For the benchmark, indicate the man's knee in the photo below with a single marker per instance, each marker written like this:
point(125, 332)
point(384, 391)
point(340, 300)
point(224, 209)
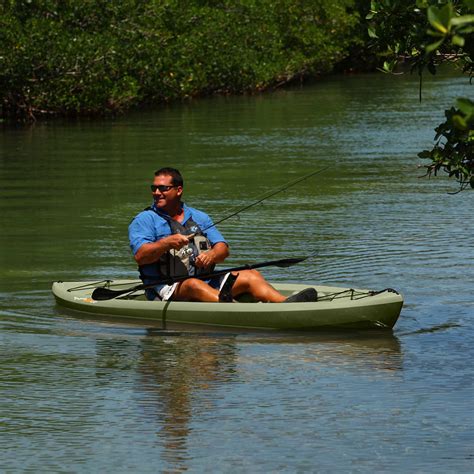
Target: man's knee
point(254, 275)
point(190, 285)
point(249, 278)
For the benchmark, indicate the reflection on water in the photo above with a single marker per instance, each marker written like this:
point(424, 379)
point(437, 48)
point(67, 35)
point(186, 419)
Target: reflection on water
point(181, 379)
point(175, 376)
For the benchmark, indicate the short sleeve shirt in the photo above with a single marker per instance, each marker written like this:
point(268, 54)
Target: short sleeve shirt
point(148, 226)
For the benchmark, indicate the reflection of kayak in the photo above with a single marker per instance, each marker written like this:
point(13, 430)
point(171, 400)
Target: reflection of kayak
point(341, 307)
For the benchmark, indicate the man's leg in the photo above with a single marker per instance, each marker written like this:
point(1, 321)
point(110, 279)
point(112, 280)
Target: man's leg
point(194, 289)
point(252, 282)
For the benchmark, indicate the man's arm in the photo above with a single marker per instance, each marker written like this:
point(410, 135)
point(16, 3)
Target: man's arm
point(151, 252)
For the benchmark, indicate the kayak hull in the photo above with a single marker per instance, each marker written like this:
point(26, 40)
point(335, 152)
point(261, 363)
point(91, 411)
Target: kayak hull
point(336, 307)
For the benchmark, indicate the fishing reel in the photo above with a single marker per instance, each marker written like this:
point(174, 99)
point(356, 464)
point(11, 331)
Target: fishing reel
point(186, 251)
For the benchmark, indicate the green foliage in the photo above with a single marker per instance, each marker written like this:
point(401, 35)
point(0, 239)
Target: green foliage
point(97, 56)
point(454, 150)
point(427, 33)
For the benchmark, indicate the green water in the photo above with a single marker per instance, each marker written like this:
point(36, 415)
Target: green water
point(81, 394)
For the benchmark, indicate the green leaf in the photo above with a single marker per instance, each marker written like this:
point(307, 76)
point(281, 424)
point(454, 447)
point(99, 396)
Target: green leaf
point(466, 30)
point(388, 66)
point(434, 46)
point(447, 14)
point(457, 40)
point(466, 106)
point(459, 122)
point(440, 18)
point(422, 3)
point(371, 32)
point(462, 20)
point(437, 34)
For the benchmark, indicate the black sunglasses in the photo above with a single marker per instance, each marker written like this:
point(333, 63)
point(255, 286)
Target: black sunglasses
point(161, 187)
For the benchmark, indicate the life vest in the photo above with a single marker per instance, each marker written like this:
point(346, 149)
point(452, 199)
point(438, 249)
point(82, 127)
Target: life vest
point(181, 262)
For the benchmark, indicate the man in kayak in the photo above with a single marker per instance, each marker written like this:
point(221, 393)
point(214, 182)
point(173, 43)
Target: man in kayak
point(171, 239)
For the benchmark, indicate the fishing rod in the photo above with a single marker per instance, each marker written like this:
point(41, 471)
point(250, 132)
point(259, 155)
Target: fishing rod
point(267, 195)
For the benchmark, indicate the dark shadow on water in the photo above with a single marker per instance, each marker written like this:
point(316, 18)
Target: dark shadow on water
point(437, 328)
point(370, 338)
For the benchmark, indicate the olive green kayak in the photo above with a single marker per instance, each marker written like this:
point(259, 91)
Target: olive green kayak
point(336, 307)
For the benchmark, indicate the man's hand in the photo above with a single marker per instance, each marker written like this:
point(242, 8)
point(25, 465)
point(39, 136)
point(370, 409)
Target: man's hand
point(217, 254)
point(176, 241)
point(205, 259)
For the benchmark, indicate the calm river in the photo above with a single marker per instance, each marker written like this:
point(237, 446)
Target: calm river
point(81, 394)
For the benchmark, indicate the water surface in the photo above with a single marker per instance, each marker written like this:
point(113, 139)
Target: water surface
point(84, 394)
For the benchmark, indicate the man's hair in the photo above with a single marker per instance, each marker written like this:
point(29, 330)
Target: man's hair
point(176, 177)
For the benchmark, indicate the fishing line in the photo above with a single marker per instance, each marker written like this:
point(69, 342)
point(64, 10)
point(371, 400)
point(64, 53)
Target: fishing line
point(267, 195)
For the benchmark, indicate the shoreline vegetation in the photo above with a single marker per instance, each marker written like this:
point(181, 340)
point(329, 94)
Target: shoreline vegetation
point(97, 58)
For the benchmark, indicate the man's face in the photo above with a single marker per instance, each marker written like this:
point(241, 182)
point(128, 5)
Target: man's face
point(166, 198)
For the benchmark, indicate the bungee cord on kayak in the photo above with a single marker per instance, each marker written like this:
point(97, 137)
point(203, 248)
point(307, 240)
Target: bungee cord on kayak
point(350, 293)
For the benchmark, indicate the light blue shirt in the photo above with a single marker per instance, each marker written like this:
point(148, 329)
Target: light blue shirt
point(148, 226)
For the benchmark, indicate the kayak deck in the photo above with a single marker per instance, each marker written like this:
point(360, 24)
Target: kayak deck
point(336, 307)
